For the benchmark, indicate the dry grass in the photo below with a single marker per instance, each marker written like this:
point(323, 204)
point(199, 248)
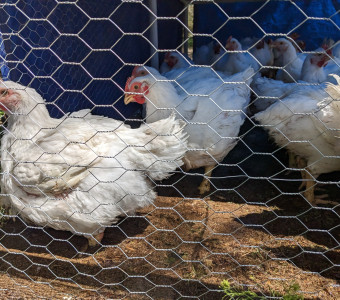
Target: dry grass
point(178, 247)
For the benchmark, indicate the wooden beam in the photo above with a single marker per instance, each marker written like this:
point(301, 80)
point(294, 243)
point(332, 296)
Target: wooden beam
point(154, 34)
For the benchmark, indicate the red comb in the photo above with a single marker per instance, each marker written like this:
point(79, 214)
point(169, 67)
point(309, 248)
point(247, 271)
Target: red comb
point(167, 55)
point(324, 46)
point(128, 81)
point(294, 36)
point(329, 52)
point(229, 39)
point(134, 71)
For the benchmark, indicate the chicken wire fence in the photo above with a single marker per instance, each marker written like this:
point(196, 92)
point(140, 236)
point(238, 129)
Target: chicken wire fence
point(217, 200)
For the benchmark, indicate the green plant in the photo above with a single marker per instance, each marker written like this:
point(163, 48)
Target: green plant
point(292, 292)
point(238, 293)
point(2, 118)
point(3, 218)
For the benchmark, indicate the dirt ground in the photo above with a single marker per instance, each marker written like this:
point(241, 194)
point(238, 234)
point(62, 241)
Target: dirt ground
point(254, 229)
point(184, 246)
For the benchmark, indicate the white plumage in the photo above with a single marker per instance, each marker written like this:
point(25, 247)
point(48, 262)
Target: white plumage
point(175, 60)
point(214, 111)
point(212, 55)
point(306, 122)
point(238, 60)
point(288, 59)
point(313, 71)
point(81, 172)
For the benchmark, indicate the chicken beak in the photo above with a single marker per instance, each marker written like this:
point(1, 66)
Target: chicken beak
point(128, 98)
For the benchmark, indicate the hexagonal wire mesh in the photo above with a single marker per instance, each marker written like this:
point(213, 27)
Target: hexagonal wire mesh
point(255, 139)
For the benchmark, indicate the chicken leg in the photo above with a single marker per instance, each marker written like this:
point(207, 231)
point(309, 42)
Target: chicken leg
point(301, 164)
point(292, 160)
point(309, 192)
point(96, 239)
point(92, 241)
point(205, 184)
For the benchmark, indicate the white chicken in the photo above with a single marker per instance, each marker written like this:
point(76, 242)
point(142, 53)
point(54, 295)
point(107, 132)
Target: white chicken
point(175, 60)
point(298, 44)
point(81, 172)
point(205, 54)
point(183, 70)
point(248, 42)
point(214, 113)
point(212, 55)
point(261, 49)
point(333, 67)
point(238, 60)
point(263, 52)
point(306, 122)
point(313, 68)
point(186, 80)
point(336, 49)
point(288, 59)
point(313, 71)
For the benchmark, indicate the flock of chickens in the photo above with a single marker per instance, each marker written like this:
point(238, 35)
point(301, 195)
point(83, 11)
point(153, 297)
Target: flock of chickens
point(82, 172)
point(300, 113)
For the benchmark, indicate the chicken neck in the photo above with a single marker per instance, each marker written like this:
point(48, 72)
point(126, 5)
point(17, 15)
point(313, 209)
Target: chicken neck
point(162, 101)
point(26, 126)
point(312, 73)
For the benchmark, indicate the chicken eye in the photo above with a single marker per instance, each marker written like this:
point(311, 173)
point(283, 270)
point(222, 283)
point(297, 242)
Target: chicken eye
point(143, 73)
point(136, 87)
point(4, 93)
point(281, 43)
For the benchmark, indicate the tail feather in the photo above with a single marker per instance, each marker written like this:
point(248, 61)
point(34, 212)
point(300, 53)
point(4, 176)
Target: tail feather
point(166, 144)
point(333, 90)
point(245, 76)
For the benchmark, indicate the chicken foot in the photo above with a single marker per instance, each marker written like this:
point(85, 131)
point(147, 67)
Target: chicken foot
point(205, 184)
point(92, 241)
point(96, 239)
point(309, 192)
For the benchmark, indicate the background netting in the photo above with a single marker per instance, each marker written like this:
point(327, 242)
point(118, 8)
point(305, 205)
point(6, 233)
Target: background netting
point(254, 229)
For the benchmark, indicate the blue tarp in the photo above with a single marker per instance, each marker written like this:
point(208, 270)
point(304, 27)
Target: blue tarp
point(3, 66)
point(76, 62)
point(273, 17)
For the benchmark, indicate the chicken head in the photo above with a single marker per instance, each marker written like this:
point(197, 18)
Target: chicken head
point(135, 91)
point(15, 98)
point(320, 59)
point(281, 44)
point(170, 59)
point(233, 44)
point(139, 71)
point(8, 100)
